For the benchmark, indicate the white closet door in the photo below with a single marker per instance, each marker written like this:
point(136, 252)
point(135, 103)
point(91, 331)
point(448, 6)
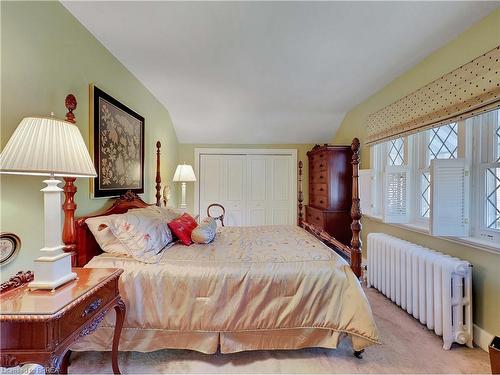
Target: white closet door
point(255, 189)
point(269, 184)
point(222, 180)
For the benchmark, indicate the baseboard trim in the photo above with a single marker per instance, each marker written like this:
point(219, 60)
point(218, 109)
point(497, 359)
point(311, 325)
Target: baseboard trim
point(482, 338)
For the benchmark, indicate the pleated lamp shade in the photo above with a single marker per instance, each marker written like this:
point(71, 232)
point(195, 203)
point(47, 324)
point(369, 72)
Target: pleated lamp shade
point(46, 146)
point(184, 173)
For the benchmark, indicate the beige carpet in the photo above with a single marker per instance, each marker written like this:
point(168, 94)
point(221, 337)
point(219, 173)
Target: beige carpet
point(408, 347)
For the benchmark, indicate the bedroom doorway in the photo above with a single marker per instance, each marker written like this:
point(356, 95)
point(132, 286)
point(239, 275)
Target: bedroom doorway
point(256, 186)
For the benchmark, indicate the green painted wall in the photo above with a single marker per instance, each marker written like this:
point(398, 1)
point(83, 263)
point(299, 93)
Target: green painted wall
point(45, 54)
point(186, 155)
point(480, 38)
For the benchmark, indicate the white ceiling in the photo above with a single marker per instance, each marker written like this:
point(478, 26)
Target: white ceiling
point(270, 72)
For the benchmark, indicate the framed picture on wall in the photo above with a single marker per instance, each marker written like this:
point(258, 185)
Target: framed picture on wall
point(117, 136)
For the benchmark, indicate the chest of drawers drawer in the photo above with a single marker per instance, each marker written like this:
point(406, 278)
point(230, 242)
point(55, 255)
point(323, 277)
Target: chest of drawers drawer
point(319, 201)
point(319, 166)
point(318, 189)
point(315, 217)
point(318, 156)
point(319, 177)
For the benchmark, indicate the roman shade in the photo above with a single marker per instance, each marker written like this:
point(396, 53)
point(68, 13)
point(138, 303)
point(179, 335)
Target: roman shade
point(467, 91)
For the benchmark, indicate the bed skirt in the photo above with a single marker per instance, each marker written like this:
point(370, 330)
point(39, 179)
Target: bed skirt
point(148, 340)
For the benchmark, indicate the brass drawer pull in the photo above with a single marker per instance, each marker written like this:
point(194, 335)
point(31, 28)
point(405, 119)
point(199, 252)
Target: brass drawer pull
point(92, 307)
point(317, 217)
point(321, 189)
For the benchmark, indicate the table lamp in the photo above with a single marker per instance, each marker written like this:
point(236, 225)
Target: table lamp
point(55, 148)
point(184, 173)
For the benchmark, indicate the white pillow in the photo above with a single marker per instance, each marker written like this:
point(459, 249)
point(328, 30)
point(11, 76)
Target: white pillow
point(99, 226)
point(143, 232)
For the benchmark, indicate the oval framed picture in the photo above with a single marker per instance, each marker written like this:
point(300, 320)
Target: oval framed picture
point(10, 244)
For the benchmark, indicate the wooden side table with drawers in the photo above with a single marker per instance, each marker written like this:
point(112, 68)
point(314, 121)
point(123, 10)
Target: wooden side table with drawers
point(39, 326)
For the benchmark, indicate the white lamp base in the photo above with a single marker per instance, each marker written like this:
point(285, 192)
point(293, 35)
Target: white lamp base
point(183, 195)
point(51, 272)
point(53, 267)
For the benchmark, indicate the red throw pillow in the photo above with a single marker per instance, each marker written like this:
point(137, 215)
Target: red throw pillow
point(182, 228)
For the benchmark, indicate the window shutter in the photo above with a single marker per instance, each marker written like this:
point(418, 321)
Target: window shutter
point(450, 184)
point(396, 194)
point(365, 191)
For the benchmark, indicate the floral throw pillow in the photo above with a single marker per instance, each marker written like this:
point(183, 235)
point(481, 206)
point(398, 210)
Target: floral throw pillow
point(205, 232)
point(182, 228)
point(143, 232)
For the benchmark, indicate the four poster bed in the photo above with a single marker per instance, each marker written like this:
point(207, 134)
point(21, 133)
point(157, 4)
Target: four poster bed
point(252, 288)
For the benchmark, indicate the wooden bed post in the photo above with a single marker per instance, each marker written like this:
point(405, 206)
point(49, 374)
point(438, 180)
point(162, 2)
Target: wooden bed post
point(300, 196)
point(356, 214)
point(69, 206)
point(158, 175)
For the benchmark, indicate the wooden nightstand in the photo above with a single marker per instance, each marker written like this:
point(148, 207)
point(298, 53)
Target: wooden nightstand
point(39, 326)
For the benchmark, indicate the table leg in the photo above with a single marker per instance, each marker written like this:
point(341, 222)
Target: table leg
point(65, 363)
point(120, 317)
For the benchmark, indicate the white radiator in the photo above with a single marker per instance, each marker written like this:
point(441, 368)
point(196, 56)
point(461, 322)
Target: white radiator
point(433, 287)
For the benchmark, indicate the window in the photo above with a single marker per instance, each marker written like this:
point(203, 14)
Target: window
point(487, 160)
point(492, 198)
point(436, 143)
point(469, 154)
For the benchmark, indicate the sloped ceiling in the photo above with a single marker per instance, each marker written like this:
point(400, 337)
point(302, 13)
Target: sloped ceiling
point(270, 72)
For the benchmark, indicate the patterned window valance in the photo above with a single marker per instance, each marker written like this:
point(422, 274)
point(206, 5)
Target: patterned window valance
point(471, 89)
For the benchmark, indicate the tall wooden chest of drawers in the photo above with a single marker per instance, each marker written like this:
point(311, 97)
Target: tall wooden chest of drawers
point(330, 190)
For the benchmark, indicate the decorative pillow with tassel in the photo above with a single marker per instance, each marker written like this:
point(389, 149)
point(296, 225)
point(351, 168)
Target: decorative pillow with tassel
point(205, 232)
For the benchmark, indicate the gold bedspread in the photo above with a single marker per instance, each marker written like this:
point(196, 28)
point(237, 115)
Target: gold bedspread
point(269, 287)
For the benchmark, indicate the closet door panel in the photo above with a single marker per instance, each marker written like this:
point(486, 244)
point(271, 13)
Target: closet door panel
point(280, 190)
point(234, 189)
point(256, 180)
point(257, 196)
point(235, 183)
point(256, 216)
point(280, 216)
point(211, 181)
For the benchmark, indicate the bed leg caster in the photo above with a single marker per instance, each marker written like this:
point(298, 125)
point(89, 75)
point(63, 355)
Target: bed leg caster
point(359, 353)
